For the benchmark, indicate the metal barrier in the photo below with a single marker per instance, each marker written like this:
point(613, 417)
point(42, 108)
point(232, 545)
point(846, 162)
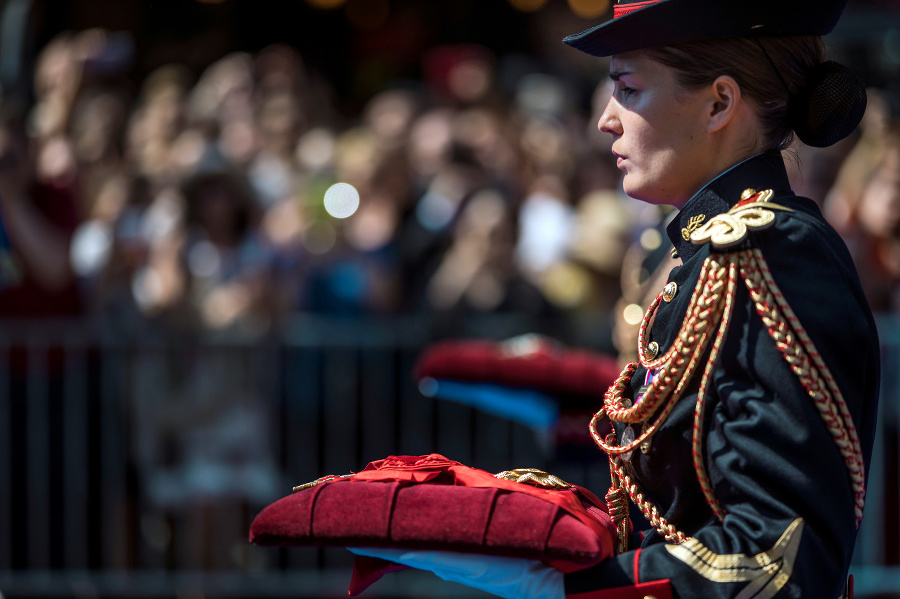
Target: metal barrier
point(132, 465)
point(876, 561)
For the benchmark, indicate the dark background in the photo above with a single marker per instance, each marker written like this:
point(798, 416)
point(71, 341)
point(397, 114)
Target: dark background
point(358, 59)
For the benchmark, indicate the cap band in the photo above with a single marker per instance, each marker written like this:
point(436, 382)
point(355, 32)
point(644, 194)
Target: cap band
point(622, 10)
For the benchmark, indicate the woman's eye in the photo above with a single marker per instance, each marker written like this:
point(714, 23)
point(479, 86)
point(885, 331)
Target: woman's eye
point(625, 91)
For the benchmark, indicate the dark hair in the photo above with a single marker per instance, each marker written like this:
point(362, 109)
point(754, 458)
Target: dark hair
point(784, 77)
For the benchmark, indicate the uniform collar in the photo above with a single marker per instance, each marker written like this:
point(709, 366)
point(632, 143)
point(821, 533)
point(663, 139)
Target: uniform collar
point(763, 171)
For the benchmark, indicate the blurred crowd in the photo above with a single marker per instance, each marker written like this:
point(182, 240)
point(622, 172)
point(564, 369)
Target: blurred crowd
point(232, 197)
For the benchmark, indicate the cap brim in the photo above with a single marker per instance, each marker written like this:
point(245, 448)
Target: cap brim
point(660, 24)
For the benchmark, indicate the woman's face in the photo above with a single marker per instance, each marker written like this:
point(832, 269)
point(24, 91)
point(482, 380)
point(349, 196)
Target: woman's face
point(659, 131)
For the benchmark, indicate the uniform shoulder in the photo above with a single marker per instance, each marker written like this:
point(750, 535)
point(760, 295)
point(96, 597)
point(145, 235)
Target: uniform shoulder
point(801, 229)
point(807, 258)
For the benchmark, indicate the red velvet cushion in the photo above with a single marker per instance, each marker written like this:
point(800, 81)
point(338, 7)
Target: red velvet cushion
point(532, 363)
point(497, 520)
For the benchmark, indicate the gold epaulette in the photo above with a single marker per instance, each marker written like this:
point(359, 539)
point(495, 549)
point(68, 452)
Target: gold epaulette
point(706, 322)
point(752, 213)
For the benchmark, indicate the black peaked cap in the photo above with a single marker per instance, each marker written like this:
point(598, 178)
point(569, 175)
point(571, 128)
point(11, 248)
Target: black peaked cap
point(648, 23)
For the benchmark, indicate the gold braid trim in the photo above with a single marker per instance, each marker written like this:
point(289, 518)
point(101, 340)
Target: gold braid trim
point(785, 329)
point(534, 477)
point(713, 302)
point(700, 407)
point(650, 511)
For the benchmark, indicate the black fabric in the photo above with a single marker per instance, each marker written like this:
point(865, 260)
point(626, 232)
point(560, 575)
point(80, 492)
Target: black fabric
point(769, 456)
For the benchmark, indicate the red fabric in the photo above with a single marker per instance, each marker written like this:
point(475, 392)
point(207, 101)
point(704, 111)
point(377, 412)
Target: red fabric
point(457, 509)
point(29, 299)
point(754, 198)
point(430, 467)
point(550, 369)
point(659, 589)
point(622, 10)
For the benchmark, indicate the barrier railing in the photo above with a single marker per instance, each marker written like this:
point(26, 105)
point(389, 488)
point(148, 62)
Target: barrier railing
point(876, 561)
point(132, 465)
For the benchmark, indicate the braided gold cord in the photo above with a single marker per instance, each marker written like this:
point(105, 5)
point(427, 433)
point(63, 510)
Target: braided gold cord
point(696, 299)
point(700, 408)
point(677, 372)
point(650, 511)
point(813, 353)
point(319, 481)
point(806, 363)
point(713, 301)
point(707, 305)
point(617, 502)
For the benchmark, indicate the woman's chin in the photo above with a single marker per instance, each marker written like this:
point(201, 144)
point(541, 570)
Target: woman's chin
point(648, 193)
point(634, 189)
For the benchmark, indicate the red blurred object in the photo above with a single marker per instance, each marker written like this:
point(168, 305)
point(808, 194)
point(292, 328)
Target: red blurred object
point(440, 62)
point(430, 502)
point(531, 362)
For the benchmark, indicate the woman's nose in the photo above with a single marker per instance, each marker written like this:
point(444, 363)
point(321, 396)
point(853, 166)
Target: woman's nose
point(609, 120)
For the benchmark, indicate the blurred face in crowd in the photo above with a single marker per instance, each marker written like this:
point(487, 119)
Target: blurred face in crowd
point(879, 206)
point(659, 131)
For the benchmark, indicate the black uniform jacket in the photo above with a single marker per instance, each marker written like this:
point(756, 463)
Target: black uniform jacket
point(789, 528)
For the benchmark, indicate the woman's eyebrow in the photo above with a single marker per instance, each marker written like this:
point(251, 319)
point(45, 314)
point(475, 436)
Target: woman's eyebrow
point(616, 75)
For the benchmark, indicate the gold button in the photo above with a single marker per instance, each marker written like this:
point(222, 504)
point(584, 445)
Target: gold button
point(670, 291)
point(749, 192)
point(652, 350)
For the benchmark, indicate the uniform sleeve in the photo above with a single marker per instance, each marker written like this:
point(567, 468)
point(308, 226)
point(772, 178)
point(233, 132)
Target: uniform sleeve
point(789, 527)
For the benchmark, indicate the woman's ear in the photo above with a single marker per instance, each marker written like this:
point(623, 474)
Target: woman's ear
point(724, 102)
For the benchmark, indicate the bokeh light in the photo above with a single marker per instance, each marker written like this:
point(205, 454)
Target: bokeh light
point(428, 387)
point(527, 5)
point(147, 289)
point(470, 79)
point(203, 260)
point(341, 200)
point(435, 211)
point(319, 238)
point(633, 314)
point(315, 150)
point(651, 239)
point(325, 4)
point(91, 247)
point(566, 284)
point(589, 9)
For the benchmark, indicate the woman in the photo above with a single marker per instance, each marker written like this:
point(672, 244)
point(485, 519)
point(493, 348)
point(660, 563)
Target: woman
point(744, 431)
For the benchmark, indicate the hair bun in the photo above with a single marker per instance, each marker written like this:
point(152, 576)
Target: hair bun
point(831, 106)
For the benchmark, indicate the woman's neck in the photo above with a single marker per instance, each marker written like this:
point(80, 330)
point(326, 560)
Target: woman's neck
point(744, 158)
